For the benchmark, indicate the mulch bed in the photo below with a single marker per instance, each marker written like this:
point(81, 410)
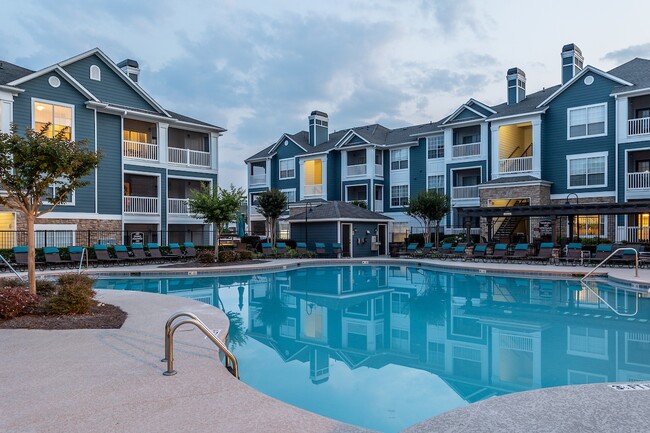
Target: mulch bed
point(101, 316)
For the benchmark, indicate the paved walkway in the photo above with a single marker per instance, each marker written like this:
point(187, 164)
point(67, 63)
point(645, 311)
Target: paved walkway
point(111, 380)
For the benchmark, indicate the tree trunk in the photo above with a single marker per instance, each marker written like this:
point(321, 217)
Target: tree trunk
point(217, 239)
point(31, 254)
point(272, 225)
point(437, 234)
point(427, 232)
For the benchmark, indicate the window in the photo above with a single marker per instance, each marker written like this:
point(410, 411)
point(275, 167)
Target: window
point(255, 199)
point(357, 193)
point(291, 195)
point(52, 193)
point(379, 157)
point(287, 168)
point(59, 117)
point(399, 159)
point(399, 195)
point(590, 226)
point(357, 157)
point(398, 231)
point(588, 171)
point(95, 73)
point(436, 183)
point(436, 147)
point(587, 121)
point(399, 303)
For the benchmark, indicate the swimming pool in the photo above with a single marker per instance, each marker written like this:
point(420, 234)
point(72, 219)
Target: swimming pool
point(384, 347)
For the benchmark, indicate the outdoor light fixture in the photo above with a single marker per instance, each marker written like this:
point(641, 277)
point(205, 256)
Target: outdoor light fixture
point(569, 195)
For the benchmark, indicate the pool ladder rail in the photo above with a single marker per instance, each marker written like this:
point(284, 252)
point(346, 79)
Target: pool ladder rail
point(170, 328)
point(583, 282)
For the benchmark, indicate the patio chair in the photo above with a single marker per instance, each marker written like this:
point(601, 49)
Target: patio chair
point(427, 248)
point(267, 249)
point(544, 255)
point(520, 252)
point(301, 248)
point(457, 252)
point(139, 253)
point(320, 249)
point(573, 254)
point(175, 252)
point(337, 249)
point(53, 259)
point(479, 252)
point(602, 252)
point(444, 250)
point(626, 257)
point(410, 249)
point(156, 255)
point(20, 259)
point(499, 253)
point(190, 250)
point(280, 249)
point(76, 253)
point(122, 254)
point(103, 257)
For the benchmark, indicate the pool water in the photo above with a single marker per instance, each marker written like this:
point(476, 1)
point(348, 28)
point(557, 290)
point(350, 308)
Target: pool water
point(385, 347)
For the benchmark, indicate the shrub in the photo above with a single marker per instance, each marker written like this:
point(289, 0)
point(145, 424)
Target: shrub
point(13, 300)
point(205, 256)
point(246, 255)
point(75, 295)
point(45, 287)
point(228, 256)
point(292, 254)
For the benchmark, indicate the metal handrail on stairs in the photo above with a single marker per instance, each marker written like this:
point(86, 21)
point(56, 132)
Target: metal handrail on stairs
point(12, 269)
point(636, 265)
point(170, 329)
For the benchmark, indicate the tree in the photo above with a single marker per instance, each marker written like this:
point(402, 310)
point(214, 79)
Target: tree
point(360, 203)
point(39, 169)
point(217, 206)
point(428, 207)
point(271, 204)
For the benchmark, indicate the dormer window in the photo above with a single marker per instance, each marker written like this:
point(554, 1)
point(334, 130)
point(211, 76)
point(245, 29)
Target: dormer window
point(95, 73)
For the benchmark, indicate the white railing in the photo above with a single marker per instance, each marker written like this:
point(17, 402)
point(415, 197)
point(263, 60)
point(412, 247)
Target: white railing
point(516, 165)
point(142, 205)
point(465, 150)
point(316, 189)
point(357, 170)
point(379, 170)
point(632, 234)
point(135, 149)
point(178, 206)
point(459, 192)
point(638, 126)
point(379, 205)
point(638, 180)
point(257, 179)
point(194, 158)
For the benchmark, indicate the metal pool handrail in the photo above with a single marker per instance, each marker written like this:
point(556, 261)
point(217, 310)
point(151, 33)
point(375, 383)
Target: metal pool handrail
point(81, 260)
point(638, 295)
point(170, 329)
point(12, 269)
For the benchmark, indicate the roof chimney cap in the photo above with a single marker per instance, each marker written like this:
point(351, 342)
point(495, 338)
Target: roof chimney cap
point(318, 113)
point(513, 71)
point(128, 62)
point(571, 47)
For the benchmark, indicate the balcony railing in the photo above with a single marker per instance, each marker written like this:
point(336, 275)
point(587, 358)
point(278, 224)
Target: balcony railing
point(465, 150)
point(638, 180)
point(632, 234)
point(134, 149)
point(638, 126)
point(316, 189)
point(516, 165)
point(178, 206)
point(357, 170)
point(257, 179)
point(194, 158)
point(464, 192)
point(379, 170)
point(379, 205)
point(140, 205)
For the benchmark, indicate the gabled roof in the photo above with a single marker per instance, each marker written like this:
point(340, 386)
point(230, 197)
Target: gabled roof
point(301, 139)
point(481, 110)
point(339, 210)
point(528, 105)
point(262, 154)
point(59, 70)
point(579, 75)
point(187, 119)
point(349, 136)
point(636, 71)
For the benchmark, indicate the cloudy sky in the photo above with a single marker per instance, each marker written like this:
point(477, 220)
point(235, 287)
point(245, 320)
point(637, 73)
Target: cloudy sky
point(259, 67)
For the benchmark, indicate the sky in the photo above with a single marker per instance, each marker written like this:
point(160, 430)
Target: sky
point(258, 67)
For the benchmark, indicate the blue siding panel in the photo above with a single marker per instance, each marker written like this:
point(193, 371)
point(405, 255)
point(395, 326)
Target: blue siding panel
point(109, 184)
point(418, 168)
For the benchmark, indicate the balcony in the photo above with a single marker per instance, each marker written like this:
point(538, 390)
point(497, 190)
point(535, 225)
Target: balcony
point(137, 150)
point(632, 234)
point(638, 180)
point(464, 192)
point(516, 165)
point(192, 158)
point(257, 179)
point(178, 206)
point(638, 126)
point(379, 170)
point(311, 190)
point(466, 150)
point(141, 205)
point(357, 170)
point(379, 205)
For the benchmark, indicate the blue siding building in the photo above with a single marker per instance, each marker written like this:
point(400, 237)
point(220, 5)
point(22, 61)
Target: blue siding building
point(152, 157)
point(586, 140)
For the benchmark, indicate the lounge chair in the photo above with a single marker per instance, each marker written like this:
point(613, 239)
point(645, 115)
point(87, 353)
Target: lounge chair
point(20, 259)
point(499, 253)
point(267, 249)
point(76, 253)
point(444, 250)
point(320, 249)
point(280, 249)
point(602, 252)
point(457, 252)
point(53, 259)
point(190, 250)
point(626, 257)
point(573, 254)
point(426, 249)
point(122, 254)
point(156, 255)
point(103, 257)
point(139, 253)
point(301, 248)
point(411, 249)
point(544, 255)
point(520, 252)
point(479, 252)
point(337, 249)
point(175, 251)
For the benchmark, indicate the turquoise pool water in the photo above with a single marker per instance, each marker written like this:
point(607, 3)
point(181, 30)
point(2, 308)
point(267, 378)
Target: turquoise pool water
point(384, 347)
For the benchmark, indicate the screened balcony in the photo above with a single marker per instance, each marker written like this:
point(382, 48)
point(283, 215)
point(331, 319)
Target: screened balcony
point(189, 148)
point(257, 173)
point(179, 191)
point(140, 140)
point(467, 142)
point(140, 194)
point(356, 163)
point(465, 184)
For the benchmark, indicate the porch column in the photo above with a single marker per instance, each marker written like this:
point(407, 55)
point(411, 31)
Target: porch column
point(537, 148)
point(214, 150)
point(495, 152)
point(571, 219)
point(490, 225)
point(163, 142)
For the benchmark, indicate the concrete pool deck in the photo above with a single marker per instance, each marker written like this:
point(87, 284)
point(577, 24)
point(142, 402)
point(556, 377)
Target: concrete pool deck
point(111, 380)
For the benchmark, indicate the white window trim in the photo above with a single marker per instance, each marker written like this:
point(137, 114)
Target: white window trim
point(408, 162)
point(357, 184)
point(444, 184)
point(97, 76)
point(585, 156)
point(61, 104)
point(293, 160)
point(391, 194)
point(64, 203)
point(293, 190)
point(568, 121)
point(443, 146)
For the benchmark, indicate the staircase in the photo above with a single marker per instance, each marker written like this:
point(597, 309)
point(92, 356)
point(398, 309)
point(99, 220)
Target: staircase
point(507, 227)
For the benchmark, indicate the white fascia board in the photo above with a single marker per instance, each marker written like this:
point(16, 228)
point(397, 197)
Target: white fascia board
point(347, 137)
point(297, 221)
point(13, 90)
point(480, 104)
point(285, 136)
point(461, 108)
point(425, 134)
point(513, 116)
point(631, 92)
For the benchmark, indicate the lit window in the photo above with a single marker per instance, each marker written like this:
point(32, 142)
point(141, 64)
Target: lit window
point(287, 168)
point(399, 159)
point(590, 226)
point(58, 116)
point(95, 73)
point(436, 183)
point(399, 195)
point(436, 147)
point(588, 171)
point(590, 121)
point(398, 231)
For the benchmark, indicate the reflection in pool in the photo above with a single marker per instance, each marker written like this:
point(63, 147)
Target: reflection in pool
point(384, 347)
